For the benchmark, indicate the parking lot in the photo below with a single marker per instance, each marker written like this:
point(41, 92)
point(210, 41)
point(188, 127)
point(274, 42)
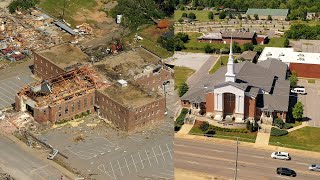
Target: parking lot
point(12, 80)
point(311, 101)
point(95, 148)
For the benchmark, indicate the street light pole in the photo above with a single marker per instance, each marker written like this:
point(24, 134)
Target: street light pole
point(236, 169)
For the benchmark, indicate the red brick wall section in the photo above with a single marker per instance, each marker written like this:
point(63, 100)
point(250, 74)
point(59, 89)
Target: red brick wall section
point(240, 41)
point(52, 112)
point(153, 81)
point(306, 70)
point(260, 40)
point(44, 68)
point(128, 119)
point(210, 102)
point(252, 107)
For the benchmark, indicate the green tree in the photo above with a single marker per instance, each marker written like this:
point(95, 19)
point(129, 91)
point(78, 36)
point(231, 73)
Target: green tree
point(239, 16)
point(297, 111)
point(230, 16)
point(286, 42)
point(256, 17)
point(178, 45)
point(258, 49)
point(180, 20)
point(184, 15)
point(22, 4)
point(192, 16)
point(183, 36)
point(210, 15)
point(236, 48)
point(248, 17)
point(248, 47)
point(204, 126)
point(208, 49)
point(293, 79)
point(222, 15)
point(195, 3)
point(183, 88)
point(269, 18)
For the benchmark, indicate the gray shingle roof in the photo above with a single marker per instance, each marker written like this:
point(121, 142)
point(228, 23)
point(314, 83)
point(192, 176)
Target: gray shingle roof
point(238, 35)
point(266, 12)
point(248, 55)
point(251, 78)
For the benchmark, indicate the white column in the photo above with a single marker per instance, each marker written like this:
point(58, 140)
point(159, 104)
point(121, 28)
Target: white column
point(218, 101)
point(239, 104)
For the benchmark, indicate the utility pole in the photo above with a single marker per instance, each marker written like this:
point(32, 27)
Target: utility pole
point(236, 169)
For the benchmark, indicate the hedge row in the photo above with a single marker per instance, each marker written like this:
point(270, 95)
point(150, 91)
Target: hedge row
point(180, 119)
point(278, 132)
point(216, 128)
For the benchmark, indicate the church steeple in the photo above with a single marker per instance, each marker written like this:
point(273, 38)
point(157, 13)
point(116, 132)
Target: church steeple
point(230, 75)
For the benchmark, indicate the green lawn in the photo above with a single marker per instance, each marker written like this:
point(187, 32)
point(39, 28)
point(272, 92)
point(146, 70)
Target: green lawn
point(194, 46)
point(181, 74)
point(201, 16)
point(223, 60)
point(306, 138)
point(150, 36)
point(247, 137)
point(311, 81)
point(311, 23)
point(55, 8)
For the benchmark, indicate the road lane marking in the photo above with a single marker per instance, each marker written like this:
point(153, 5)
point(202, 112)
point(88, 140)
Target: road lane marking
point(211, 157)
point(258, 157)
point(302, 163)
point(192, 162)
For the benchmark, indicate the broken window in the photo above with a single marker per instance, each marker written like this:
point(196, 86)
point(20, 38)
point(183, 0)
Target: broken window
point(66, 110)
point(79, 104)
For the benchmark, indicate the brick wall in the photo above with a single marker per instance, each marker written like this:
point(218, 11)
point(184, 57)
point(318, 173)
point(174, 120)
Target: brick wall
point(154, 81)
point(210, 102)
point(67, 109)
point(240, 41)
point(129, 119)
point(44, 69)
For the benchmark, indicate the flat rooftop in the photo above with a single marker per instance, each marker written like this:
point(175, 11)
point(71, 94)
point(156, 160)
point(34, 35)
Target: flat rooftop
point(126, 65)
point(288, 55)
point(64, 55)
point(130, 96)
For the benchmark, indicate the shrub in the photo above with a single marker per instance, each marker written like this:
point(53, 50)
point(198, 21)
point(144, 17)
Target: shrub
point(177, 127)
point(180, 118)
point(204, 126)
point(287, 126)
point(248, 125)
point(211, 132)
point(278, 132)
point(278, 122)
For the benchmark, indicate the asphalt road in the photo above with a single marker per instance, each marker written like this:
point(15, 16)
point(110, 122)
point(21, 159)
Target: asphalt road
point(22, 165)
point(219, 159)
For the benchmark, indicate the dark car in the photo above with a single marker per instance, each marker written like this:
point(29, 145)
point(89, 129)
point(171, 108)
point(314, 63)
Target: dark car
point(286, 172)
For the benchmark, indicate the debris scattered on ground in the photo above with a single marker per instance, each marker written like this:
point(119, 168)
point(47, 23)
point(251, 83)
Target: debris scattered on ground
point(79, 138)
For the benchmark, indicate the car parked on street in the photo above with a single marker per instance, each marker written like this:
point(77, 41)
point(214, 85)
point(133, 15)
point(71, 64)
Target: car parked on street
point(314, 167)
point(281, 155)
point(286, 171)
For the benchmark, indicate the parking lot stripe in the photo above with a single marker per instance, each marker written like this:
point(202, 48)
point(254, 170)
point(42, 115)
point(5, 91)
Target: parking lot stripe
point(166, 174)
point(5, 101)
point(169, 151)
point(162, 153)
point(9, 92)
point(15, 85)
point(120, 168)
point(127, 164)
point(134, 163)
point(148, 158)
point(141, 160)
point(155, 155)
point(114, 175)
point(15, 90)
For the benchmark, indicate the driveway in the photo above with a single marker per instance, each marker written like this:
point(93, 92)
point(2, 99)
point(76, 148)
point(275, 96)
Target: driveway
point(311, 101)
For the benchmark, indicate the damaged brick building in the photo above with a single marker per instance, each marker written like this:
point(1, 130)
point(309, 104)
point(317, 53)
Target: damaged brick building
point(71, 84)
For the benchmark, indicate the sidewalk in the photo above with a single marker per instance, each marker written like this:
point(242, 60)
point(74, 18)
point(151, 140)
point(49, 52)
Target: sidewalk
point(39, 155)
point(304, 124)
point(185, 129)
point(246, 144)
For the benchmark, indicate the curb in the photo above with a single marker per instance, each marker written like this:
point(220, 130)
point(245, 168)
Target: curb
point(31, 152)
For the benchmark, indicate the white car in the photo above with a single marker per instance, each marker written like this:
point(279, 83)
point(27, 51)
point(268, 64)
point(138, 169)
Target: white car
point(314, 167)
point(281, 155)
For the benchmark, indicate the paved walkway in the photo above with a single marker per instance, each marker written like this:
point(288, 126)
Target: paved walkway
point(263, 135)
point(304, 124)
point(185, 129)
